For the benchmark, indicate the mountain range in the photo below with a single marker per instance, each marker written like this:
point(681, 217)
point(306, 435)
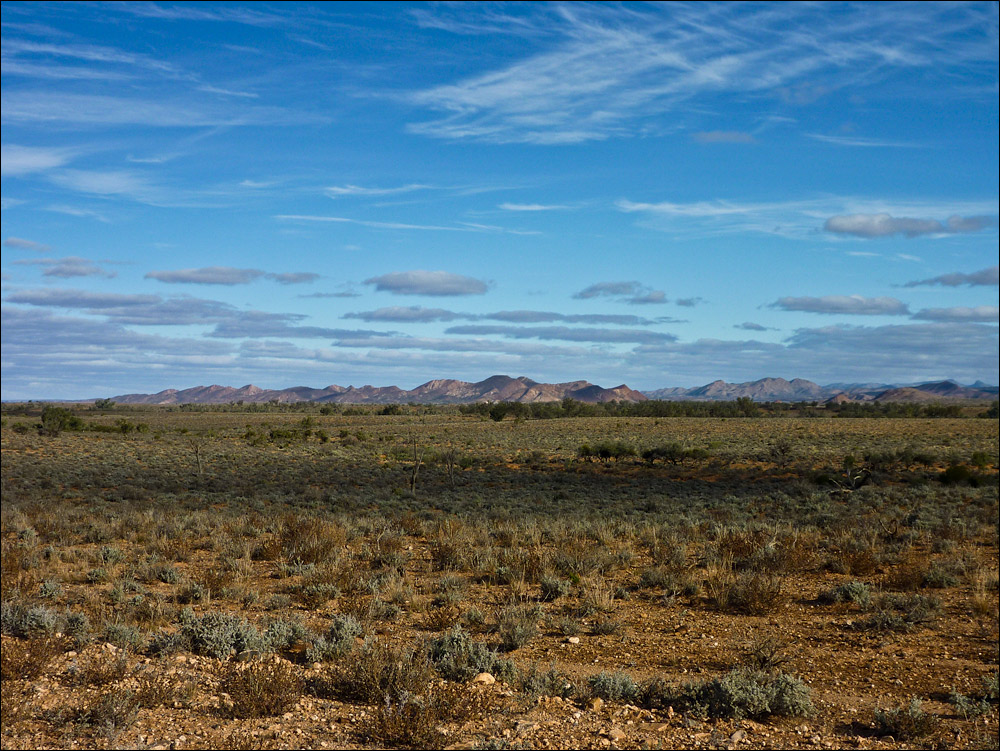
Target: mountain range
point(501, 388)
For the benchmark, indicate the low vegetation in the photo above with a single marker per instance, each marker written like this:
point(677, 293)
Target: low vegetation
point(426, 577)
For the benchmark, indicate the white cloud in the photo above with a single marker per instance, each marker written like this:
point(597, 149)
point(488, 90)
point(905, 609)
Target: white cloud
point(22, 244)
point(844, 304)
point(432, 283)
point(980, 313)
point(532, 207)
point(885, 225)
point(989, 277)
point(614, 68)
point(337, 191)
point(25, 160)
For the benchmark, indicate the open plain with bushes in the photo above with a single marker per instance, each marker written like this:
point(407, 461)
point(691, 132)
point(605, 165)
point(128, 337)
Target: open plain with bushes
point(287, 576)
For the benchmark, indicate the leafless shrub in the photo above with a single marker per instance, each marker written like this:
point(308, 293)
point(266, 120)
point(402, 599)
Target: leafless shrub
point(28, 659)
point(262, 689)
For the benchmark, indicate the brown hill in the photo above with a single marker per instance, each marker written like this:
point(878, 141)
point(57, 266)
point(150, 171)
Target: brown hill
point(498, 388)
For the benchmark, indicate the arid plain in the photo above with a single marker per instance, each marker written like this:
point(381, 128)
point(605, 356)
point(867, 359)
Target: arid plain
point(282, 576)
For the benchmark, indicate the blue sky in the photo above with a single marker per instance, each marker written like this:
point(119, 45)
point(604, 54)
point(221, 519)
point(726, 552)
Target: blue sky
point(659, 195)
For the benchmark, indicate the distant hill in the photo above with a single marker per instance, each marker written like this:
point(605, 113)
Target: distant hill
point(502, 388)
point(801, 390)
point(498, 388)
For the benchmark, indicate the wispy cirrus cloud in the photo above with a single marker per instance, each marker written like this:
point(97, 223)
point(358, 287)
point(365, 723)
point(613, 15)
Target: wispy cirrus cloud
point(20, 107)
point(533, 207)
point(989, 277)
point(864, 143)
point(843, 304)
point(723, 136)
point(611, 70)
point(431, 283)
point(18, 160)
point(337, 191)
point(374, 224)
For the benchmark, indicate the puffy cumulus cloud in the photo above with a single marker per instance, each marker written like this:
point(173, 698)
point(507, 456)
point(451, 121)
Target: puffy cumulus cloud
point(843, 304)
point(407, 314)
point(22, 244)
point(431, 283)
point(985, 277)
point(565, 333)
point(71, 266)
point(980, 313)
point(633, 293)
point(227, 275)
point(886, 225)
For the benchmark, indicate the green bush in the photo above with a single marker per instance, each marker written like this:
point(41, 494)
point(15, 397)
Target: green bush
point(458, 658)
point(616, 686)
point(905, 722)
point(854, 591)
point(747, 693)
point(219, 635)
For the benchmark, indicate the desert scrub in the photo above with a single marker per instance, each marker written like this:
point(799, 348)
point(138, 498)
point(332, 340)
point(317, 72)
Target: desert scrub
point(905, 722)
point(853, 591)
point(553, 587)
point(749, 592)
point(900, 613)
point(261, 689)
point(615, 686)
point(458, 658)
point(21, 660)
point(26, 622)
point(517, 625)
point(745, 692)
point(535, 682)
point(414, 720)
point(218, 635)
point(376, 673)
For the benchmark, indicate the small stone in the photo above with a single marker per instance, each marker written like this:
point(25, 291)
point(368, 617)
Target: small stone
point(594, 705)
point(485, 678)
point(738, 736)
point(655, 727)
point(616, 734)
point(526, 726)
point(573, 640)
